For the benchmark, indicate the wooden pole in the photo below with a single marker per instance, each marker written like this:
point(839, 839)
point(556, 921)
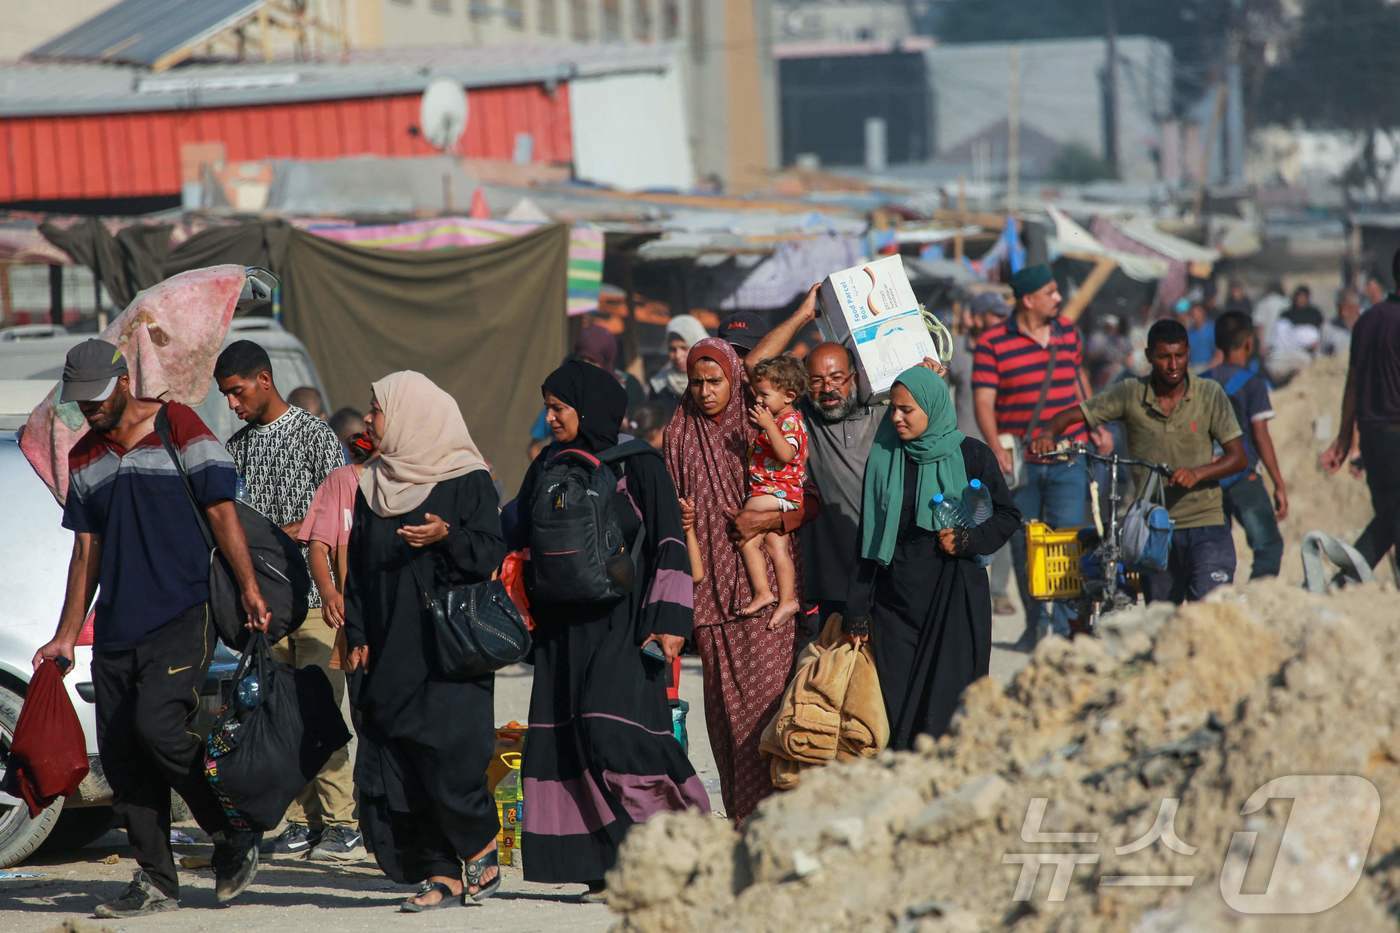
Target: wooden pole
point(1013, 132)
point(962, 207)
point(1207, 144)
point(1093, 283)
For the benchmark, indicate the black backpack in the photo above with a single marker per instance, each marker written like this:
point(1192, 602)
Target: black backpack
point(283, 578)
point(577, 550)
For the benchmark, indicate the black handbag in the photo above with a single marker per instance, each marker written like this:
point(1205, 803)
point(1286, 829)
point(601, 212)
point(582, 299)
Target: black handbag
point(476, 627)
point(259, 756)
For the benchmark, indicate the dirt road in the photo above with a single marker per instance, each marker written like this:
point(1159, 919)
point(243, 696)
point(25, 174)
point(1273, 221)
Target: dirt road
point(301, 895)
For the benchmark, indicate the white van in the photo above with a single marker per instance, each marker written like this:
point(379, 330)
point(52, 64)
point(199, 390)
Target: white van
point(34, 553)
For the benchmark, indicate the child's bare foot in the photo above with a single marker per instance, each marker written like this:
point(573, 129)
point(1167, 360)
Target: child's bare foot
point(760, 602)
point(783, 614)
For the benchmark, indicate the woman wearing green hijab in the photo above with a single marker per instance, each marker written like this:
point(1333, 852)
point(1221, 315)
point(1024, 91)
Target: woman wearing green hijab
point(919, 593)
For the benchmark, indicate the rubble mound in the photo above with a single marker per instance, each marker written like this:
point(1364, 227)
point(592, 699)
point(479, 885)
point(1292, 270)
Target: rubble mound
point(1140, 748)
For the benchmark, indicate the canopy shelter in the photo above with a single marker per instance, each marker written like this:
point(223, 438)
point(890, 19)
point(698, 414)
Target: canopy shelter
point(1095, 265)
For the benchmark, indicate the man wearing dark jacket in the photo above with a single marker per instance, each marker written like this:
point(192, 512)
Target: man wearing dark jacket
point(1371, 408)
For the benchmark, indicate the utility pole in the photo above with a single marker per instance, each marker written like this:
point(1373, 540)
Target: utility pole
point(1110, 85)
point(1013, 131)
point(1232, 158)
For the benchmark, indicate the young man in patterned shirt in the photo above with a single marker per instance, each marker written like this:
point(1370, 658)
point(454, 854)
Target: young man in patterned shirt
point(282, 455)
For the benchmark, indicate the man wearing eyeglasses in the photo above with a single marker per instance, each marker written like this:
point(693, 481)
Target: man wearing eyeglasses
point(841, 428)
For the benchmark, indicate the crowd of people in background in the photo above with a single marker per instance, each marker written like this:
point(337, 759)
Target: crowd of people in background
point(765, 493)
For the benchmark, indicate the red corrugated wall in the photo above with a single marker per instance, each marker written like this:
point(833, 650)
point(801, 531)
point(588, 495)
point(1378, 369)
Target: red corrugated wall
point(138, 154)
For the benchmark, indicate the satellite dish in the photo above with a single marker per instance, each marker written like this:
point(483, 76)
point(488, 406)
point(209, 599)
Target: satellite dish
point(442, 113)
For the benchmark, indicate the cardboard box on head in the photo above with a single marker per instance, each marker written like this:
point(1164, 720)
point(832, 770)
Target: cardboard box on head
point(871, 308)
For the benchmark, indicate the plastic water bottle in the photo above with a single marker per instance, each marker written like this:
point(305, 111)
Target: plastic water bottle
point(249, 692)
point(977, 502)
point(947, 513)
point(240, 489)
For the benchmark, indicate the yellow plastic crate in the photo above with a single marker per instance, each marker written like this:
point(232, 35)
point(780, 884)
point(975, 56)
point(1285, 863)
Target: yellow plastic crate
point(1052, 561)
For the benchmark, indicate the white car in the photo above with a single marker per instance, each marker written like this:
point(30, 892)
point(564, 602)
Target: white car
point(34, 553)
point(36, 351)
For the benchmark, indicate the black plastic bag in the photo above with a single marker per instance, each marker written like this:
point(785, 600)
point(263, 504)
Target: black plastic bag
point(271, 741)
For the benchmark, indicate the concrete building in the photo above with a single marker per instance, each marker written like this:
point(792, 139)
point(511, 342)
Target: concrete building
point(494, 22)
point(29, 23)
point(832, 91)
point(841, 20)
point(1059, 95)
point(375, 24)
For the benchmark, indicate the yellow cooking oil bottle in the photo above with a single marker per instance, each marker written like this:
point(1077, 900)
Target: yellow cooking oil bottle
point(510, 809)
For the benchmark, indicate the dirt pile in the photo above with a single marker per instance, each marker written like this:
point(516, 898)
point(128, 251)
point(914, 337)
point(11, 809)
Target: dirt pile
point(1307, 411)
point(1175, 718)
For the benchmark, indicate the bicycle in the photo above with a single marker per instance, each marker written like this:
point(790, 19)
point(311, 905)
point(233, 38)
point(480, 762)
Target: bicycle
point(1107, 586)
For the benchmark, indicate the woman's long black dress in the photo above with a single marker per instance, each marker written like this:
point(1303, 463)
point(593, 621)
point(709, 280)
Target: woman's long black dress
point(599, 754)
point(931, 614)
point(425, 743)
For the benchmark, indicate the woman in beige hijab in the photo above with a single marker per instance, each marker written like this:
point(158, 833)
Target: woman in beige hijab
point(426, 517)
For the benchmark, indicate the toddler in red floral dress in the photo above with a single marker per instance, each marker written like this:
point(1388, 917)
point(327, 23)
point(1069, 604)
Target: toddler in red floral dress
point(777, 469)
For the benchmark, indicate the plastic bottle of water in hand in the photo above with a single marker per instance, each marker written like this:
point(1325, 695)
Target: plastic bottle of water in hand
point(947, 513)
point(977, 502)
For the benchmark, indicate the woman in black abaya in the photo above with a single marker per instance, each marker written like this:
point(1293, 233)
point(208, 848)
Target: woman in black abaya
point(599, 754)
point(426, 516)
point(919, 594)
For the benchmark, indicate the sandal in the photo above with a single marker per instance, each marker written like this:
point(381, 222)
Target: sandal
point(411, 906)
point(597, 893)
point(477, 868)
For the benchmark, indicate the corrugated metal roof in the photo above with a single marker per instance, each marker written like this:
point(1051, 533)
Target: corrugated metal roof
point(40, 88)
point(103, 155)
point(141, 32)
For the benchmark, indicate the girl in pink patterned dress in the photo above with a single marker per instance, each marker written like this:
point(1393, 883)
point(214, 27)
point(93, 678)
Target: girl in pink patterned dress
point(777, 469)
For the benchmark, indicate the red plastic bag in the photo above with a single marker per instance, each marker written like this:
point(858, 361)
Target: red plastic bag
point(513, 579)
point(48, 756)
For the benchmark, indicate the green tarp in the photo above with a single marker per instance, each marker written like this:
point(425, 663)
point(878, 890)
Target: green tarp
point(484, 322)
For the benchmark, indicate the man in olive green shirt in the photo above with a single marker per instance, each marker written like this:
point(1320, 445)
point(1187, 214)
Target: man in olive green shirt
point(1174, 418)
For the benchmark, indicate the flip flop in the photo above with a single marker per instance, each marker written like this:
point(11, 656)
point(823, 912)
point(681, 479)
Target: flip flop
point(476, 868)
point(411, 907)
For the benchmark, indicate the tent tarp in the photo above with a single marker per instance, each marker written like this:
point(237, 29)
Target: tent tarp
point(585, 246)
point(483, 322)
point(1070, 237)
point(1167, 244)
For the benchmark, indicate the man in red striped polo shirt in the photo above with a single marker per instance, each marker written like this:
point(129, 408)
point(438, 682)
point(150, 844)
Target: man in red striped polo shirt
point(1024, 373)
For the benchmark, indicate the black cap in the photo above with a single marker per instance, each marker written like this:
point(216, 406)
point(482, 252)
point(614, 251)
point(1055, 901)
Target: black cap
point(91, 370)
point(743, 329)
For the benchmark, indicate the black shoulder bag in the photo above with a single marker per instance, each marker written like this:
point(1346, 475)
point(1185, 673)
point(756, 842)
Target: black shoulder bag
point(283, 578)
point(477, 628)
